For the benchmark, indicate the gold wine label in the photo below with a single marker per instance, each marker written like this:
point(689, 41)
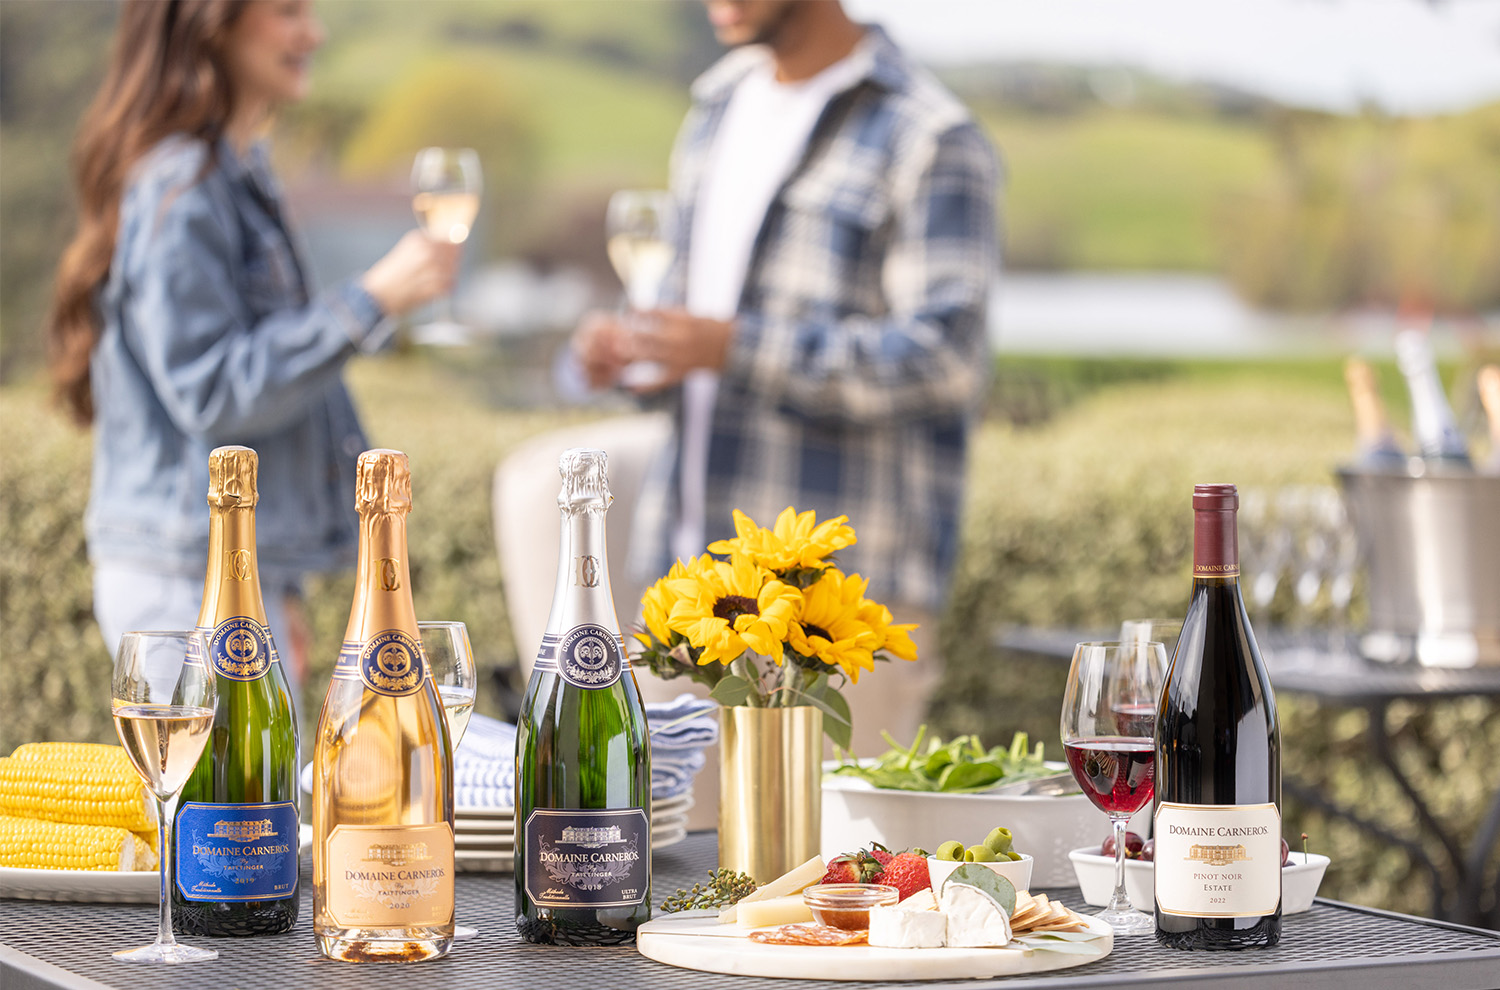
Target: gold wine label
point(231, 477)
point(392, 876)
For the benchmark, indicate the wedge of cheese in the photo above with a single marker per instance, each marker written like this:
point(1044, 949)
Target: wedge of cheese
point(791, 882)
point(901, 927)
point(975, 919)
point(788, 910)
point(922, 900)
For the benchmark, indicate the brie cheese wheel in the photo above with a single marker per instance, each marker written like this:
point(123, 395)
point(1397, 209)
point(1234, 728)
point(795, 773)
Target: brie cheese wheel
point(901, 928)
point(974, 918)
point(922, 900)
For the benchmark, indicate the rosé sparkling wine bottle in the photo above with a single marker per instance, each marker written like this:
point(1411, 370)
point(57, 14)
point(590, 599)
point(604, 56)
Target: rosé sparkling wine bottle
point(1218, 759)
point(382, 763)
point(583, 758)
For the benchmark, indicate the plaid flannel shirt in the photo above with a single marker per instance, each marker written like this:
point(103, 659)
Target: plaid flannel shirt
point(860, 355)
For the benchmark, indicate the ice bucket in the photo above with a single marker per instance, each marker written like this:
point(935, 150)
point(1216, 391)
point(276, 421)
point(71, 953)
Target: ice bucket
point(1431, 548)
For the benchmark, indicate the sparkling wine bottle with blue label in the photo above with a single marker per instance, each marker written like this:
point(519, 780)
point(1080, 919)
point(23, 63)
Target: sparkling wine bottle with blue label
point(583, 761)
point(235, 863)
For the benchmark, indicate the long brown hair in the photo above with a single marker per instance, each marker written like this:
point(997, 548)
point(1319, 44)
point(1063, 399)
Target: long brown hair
point(167, 75)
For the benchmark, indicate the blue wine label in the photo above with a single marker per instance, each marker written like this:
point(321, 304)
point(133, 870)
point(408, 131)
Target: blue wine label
point(346, 667)
point(547, 654)
point(236, 852)
point(587, 858)
point(393, 664)
point(240, 648)
point(589, 656)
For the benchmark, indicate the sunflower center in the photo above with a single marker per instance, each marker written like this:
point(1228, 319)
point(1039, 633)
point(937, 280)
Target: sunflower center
point(808, 629)
point(731, 607)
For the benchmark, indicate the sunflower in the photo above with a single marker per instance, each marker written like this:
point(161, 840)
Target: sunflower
point(726, 608)
point(657, 602)
point(894, 639)
point(829, 627)
point(798, 541)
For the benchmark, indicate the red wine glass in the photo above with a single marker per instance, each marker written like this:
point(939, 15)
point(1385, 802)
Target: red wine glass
point(1108, 730)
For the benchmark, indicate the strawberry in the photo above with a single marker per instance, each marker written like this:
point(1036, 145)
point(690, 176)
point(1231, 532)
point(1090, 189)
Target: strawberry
point(855, 867)
point(907, 872)
point(881, 854)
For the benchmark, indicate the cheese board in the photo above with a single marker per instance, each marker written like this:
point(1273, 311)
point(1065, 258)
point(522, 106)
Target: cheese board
point(695, 940)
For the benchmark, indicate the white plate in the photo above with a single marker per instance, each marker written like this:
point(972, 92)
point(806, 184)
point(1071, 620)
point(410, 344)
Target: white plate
point(693, 940)
point(96, 886)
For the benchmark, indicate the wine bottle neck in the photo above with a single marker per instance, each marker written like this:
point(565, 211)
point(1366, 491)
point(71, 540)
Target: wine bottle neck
point(583, 579)
point(382, 590)
point(1216, 551)
point(231, 584)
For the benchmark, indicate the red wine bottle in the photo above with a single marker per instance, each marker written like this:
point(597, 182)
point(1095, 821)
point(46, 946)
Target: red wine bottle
point(1218, 759)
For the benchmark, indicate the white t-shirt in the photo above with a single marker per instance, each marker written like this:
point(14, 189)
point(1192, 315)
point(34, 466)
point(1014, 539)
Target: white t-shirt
point(760, 140)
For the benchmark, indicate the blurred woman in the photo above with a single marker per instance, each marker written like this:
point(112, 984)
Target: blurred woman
point(182, 316)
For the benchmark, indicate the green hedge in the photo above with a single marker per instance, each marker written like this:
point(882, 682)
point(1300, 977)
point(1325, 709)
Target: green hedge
point(1079, 520)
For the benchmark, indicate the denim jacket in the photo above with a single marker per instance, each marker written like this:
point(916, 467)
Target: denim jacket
point(210, 337)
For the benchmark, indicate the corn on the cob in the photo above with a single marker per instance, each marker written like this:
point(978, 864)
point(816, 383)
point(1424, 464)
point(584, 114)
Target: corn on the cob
point(72, 752)
point(26, 843)
point(82, 794)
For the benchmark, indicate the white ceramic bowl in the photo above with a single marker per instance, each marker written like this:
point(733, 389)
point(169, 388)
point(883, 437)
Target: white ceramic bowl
point(1017, 871)
point(1045, 827)
point(1300, 879)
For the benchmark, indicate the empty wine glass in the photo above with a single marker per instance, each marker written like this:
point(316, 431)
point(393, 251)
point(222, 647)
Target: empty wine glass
point(450, 659)
point(162, 699)
point(1163, 631)
point(640, 227)
point(1108, 729)
point(446, 183)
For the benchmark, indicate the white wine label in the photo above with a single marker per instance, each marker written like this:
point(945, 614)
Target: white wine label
point(236, 852)
point(240, 648)
point(587, 858)
point(384, 876)
point(1218, 860)
point(393, 664)
point(589, 656)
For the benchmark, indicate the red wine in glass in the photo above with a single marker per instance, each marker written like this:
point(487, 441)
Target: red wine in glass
point(1116, 772)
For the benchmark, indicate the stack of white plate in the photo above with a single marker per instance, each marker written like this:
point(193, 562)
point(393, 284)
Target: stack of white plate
point(485, 838)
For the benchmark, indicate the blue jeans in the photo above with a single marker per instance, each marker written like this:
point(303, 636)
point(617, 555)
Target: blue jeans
point(130, 596)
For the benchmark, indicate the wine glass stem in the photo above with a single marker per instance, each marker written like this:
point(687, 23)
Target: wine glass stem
point(166, 811)
point(1119, 900)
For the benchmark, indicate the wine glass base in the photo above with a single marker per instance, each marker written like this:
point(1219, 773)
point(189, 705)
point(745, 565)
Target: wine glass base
point(1128, 922)
point(463, 932)
point(161, 952)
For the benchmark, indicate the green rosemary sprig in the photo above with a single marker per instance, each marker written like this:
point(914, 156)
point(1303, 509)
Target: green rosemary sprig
point(724, 887)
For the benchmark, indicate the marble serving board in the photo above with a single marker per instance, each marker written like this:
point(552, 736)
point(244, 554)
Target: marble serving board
point(695, 940)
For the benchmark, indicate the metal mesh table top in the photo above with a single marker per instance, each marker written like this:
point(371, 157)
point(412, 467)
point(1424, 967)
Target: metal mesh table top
point(1333, 945)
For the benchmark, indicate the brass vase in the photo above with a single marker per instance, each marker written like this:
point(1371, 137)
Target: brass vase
point(770, 789)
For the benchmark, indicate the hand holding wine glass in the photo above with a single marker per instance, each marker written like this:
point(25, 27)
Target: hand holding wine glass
point(1108, 732)
point(446, 183)
point(163, 706)
point(641, 230)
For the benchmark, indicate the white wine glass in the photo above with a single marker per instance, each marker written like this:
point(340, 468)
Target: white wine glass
point(640, 227)
point(450, 660)
point(1108, 734)
point(162, 699)
point(446, 184)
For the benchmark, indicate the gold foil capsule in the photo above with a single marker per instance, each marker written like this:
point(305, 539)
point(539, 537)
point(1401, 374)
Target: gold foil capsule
point(231, 477)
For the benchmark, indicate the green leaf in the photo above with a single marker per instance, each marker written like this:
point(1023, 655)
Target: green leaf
point(731, 690)
point(1043, 944)
point(968, 776)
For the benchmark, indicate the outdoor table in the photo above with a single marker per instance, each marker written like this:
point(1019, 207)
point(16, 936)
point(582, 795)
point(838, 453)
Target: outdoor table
point(1307, 664)
point(1332, 945)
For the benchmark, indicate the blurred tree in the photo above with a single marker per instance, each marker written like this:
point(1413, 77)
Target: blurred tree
point(454, 102)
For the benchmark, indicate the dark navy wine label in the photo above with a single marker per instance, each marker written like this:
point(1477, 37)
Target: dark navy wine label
point(578, 858)
point(392, 663)
point(590, 656)
point(241, 649)
point(236, 852)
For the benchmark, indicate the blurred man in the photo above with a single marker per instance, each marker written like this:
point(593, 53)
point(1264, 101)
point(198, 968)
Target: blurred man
point(836, 252)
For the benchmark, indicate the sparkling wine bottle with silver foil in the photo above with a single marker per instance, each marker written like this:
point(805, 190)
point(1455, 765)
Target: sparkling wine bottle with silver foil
point(1217, 825)
point(235, 848)
point(1437, 435)
point(382, 804)
point(583, 763)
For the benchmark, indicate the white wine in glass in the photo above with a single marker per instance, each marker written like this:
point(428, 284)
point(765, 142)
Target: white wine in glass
point(450, 662)
point(446, 184)
point(163, 707)
point(641, 230)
